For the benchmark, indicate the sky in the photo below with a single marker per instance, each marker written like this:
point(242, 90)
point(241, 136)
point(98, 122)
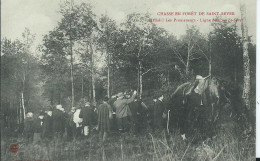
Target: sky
point(41, 16)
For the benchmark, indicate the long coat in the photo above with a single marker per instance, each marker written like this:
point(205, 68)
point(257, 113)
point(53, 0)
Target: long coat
point(158, 114)
point(47, 126)
point(58, 121)
point(87, 114)
point(104, 110)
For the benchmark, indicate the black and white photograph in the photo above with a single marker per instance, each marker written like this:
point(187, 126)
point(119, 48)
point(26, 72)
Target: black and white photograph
point(118, 80)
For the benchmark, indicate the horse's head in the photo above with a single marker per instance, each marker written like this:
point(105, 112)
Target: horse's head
point(218, 93)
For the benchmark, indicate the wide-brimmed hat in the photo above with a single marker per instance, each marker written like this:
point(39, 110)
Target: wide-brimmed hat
point(87, 103)
point(59, 106)
point(29, 114)
point(199, 77)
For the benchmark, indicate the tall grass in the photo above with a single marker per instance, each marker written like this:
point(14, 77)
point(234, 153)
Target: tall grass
point(149, 146)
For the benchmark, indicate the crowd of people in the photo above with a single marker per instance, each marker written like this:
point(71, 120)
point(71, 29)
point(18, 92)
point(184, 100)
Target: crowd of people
point(120, 114)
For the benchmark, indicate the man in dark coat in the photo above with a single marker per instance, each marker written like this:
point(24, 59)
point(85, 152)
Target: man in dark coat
point(58, 121)
point(158, 113)
point(87, 114)
point(113, 123)
point(28, 127)
point(137, 108)
point(38, 122)
point(104, 116)
point(47, 125)
point(71, 125)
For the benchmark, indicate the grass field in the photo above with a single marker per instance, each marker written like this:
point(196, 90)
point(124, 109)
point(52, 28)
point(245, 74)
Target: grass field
point(225, 146)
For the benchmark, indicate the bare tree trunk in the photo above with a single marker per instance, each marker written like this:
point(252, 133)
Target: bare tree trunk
point(90, 90)
point(141, 85)
point(108, 76)
point(140, 79)
point(71, 60)
point(23, 107)
point(210, 64)
point(246, 88)
point(72, 79)
point(93, 75)
point(188, 58)
point(82, 86)
point(168, 78)
point(187, 64)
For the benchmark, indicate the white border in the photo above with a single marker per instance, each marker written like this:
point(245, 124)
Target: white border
point(257, 81)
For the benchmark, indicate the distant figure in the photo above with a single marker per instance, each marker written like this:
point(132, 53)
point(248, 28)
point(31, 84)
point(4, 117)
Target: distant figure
point(122, 110)
point(38, 122)
point(28, 127)
point(104, 116)
point(87, 114)
point(158, 113)
point(71, 125)
point(47, 125)
point(78, 122)
point(113, 123)
point(58, 121)
point(137, 108)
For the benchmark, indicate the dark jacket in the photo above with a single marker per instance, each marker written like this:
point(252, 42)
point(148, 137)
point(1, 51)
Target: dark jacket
point(87, 114)
point(58, 121)
point(158, 113)
point(28, 126)
point(37, 125)
point(47, 126)
point(104, 110)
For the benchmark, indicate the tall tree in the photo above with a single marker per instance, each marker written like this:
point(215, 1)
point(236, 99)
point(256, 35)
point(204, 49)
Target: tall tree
point(246, 84)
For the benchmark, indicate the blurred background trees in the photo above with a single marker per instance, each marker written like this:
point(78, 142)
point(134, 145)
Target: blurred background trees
point(88, 57)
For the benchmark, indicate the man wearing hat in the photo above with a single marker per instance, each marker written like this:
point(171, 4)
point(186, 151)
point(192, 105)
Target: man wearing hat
point(86, 114)
point(158, 112)
point(28, 127)
point(58, 121)
point(122, 110)
point(47, 125)
point(104, 116)
point(71, 125)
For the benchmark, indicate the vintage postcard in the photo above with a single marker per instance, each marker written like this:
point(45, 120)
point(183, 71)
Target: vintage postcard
point(128, 80)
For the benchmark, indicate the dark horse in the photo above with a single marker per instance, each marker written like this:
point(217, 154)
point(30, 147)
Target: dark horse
point(196, 111)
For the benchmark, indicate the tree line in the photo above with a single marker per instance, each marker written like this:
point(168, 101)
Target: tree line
point(87, 57)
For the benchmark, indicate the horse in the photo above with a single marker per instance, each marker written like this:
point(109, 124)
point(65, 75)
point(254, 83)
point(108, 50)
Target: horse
point(195, 106)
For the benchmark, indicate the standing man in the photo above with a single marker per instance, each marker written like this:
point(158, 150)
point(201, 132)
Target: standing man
point(122, 110)
point(113, 124)
point(71, 125)
point(138, 109)
point(38, 124)
point(158, 113)
point(86, 114)
point(28, 127)
point(58, 121)
point(104, 116)
point(47, 125)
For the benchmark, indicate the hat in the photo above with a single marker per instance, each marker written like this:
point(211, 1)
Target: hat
point(120, 94)
point(87, 104)
point(199, 77)
point(73, 108)
point(59, 106)
point(29, 114)
point(49, 113)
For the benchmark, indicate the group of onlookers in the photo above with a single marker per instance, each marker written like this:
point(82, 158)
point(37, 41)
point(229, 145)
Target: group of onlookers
point(121, 113)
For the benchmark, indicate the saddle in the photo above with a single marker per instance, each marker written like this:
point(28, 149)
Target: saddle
point(198, 86)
